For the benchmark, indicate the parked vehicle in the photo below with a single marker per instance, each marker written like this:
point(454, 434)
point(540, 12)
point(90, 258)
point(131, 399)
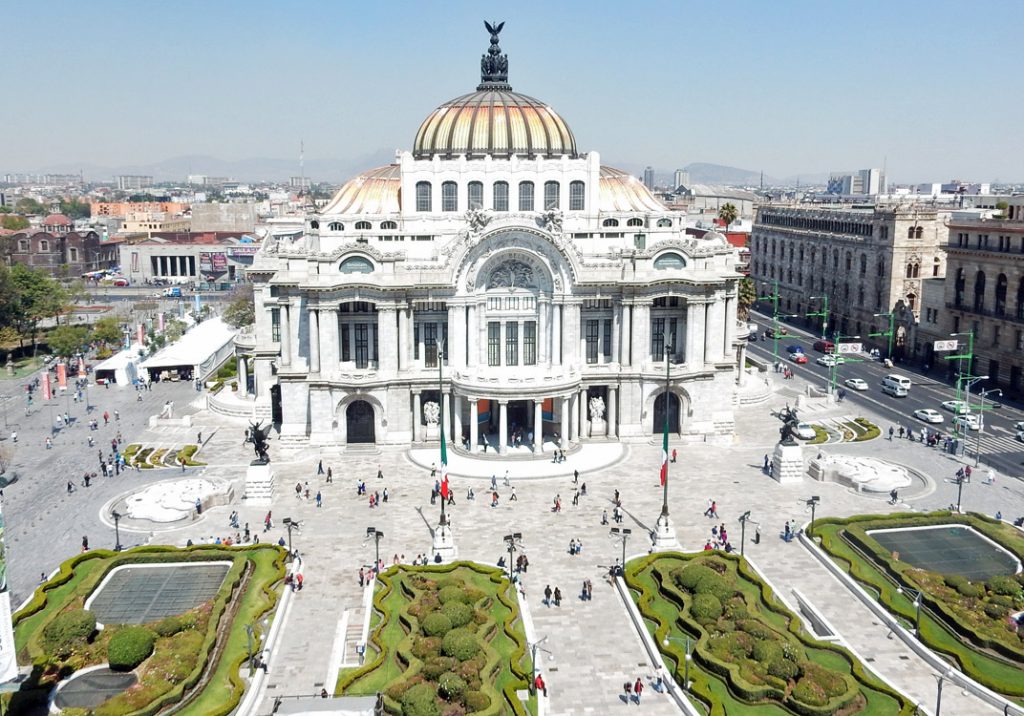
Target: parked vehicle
point(824, 346)
point(804, 431)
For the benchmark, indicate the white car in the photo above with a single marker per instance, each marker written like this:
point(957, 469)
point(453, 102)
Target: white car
point(830, 359)
point(855, 384)
point(928, 415)
point(804, 431)
point(958, 407)
point(967, 422)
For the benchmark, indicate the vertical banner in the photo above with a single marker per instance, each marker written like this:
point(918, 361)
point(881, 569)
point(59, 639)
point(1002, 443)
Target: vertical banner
point(8, 659)
point(140, 334)
point(160, 322)
point(81, 367)
point(46, 385)
point(62, 376)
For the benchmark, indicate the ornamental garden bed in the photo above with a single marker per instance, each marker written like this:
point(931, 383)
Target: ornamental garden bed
point(191, 659)
point(965, 618)
point(750, 654)
point(446, 640)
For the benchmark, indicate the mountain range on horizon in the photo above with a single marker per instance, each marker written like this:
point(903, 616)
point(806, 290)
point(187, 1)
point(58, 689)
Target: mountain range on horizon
point(337, 171)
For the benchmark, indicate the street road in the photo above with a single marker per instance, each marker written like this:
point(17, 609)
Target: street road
point(999, 446)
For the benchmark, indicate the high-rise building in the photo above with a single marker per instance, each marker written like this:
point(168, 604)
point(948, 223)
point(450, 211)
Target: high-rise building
point(681, 178)
point(649, 177)
point(869, 182)
point(133, 182)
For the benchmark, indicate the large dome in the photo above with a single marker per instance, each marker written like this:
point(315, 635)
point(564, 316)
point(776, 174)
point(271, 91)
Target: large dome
point(494, 120)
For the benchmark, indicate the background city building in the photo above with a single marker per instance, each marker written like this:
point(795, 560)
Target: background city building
point(129, 182)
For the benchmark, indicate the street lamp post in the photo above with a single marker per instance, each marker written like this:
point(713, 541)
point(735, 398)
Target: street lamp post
point(534, 648)
point(664, 534)
point(444, 542)
point(887, 334)
point(774, 297)
point(823, 314)
point(290, 524)
point(744, 518)
point(981, 421)
point(117, 530)
point(686, 659)
point(376, 535)
point(918, 598)
point(960, 376)
point(837, 357)
point(969, 381)
point(812, 503)
point(622, 534)
point(960, 479)
point(511, 541)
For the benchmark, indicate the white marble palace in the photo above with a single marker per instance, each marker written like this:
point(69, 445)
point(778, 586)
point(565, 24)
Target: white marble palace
point(549, 281)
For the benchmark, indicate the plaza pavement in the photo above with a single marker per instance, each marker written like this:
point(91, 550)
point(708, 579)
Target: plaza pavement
point(592, 648)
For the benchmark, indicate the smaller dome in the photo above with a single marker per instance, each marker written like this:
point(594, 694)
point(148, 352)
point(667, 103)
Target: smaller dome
point(715, 236)
point(374, 192)
point(56, 220)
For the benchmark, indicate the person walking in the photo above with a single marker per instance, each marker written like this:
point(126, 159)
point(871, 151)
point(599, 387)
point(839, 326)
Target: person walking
point(638, 689)
point(319, 499)
point(85, 543)
point(547, 595)
point(330, 476)
point(891, 431)
point(320, 467)
point(558, 597)
point(673, 454)
point(512, 497)
point(380, 473)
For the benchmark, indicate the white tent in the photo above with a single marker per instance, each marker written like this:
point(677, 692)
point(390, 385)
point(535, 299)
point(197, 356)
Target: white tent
point(198, 353)
point(121, 368)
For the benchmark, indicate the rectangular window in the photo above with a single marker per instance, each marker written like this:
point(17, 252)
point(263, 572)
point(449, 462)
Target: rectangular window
point(511, 343)
point(415, 341)
point(551, 195)
point(430, 345)
point(476, 195)
point(275, 325)
point(1020, 340)
point(995, 334)
point(493, 343)
point(530, 343)
point(657, 338)
point(449, 196)
point(501, 196)
point(362, 345)
point(346, 342)
point(576, 196)
point(526, 196)
point(607, 340)
point(593, 331)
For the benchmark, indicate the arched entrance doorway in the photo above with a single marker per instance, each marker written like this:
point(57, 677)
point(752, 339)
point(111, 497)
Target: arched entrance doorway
point(359, 422)
point(659, 414)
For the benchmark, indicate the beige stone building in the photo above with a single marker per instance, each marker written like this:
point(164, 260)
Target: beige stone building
point(984, 294)
point(865, 260)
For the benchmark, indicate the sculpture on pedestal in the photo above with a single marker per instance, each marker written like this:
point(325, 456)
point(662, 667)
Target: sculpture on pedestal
point(596, 408)
point(257, 435)
point(432, 413)
point(789, 420)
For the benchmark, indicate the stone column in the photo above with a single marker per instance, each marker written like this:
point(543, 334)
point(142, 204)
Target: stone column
point(714, 331)
point(286, 336)
point(446, 401)
point(642, 334)
point(416, 412)
point(563, 438)
point(474, 337)
point(503, 427)
point(574, 417)
point(610, 413)
point(627, 335)
point(457, 336)
point(481, 319)
point(542, 333)
point(742, 362)
point(538, 425)
point(404, 340)
point(329, 347)
point(730, 326)
point(584, 414)
point(616, 327)
point(556, 335)
point(694, 335)
point(243, 376)
point(570, 333)
point(314, 341)
point(474, 437)
point(457, 420)
point(388, 345)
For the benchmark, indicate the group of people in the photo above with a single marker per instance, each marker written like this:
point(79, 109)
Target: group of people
point(552, 596)
point(931, 438)
point(785, 370)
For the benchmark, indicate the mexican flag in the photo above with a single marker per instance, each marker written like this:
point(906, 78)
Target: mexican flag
point(444, 466)
point(664, 452)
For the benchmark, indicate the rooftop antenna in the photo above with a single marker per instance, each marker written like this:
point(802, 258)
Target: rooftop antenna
point(762, 180)
point(302, 166)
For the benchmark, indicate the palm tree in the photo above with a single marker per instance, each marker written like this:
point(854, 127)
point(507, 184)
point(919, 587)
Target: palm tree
point(746, 296)
point(728, 214)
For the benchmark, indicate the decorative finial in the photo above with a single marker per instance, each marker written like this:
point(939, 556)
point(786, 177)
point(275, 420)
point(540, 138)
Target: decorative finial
point(494, 65)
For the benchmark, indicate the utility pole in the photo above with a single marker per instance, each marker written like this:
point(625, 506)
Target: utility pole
point(839, 357)
point(887, 334)
point(822, 314)
point(960, 377)
point(774, 298)
point(981, 421)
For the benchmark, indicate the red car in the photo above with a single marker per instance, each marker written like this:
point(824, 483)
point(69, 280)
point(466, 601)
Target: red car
point(798, 358)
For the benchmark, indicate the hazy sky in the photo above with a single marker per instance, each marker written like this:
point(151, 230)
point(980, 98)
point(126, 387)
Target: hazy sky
point(776, 85)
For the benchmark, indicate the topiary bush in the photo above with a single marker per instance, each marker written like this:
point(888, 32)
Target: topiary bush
point(460, 643)
point(451, 687)
point(706, 608)
point(436, 624)
point(831, 682)
point(169, 626)
point(476, 701)
point(688, 577)
point(716, 585)
point(425, 647)
point(451, 593)
point(955, 581)
point(1003, 585)
point(766, 651)
point(67, 631)
point(458, 614)
point(972, 590)
point(420, 700)
point(995, 611)
point(783, 668)
point(437, 665)
point(810, 692)
point(129, 647)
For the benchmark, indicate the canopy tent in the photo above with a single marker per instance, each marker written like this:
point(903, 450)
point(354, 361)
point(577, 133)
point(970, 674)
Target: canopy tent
point(196, 354)
point(121, 368)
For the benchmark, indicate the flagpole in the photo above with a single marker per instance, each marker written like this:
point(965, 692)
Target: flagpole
point(664, 442)
point(444, 452)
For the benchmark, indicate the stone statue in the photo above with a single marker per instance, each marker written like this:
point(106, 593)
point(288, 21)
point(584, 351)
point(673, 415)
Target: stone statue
point(470, 284)
point(257, 435)
point(789, 420)
point(432, 413)
point(168, 411)
point(494, 65)
point(551, 221)
point(597, 408)
point(478, 219)
point(512, 274)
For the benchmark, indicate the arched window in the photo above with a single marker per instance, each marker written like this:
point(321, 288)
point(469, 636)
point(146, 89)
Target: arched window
point(863, 264)
point(610, 223)
point(526, 196)
point(363, 226)
point(936, 265)
point(979, 291)
point(835, 259)
point(500, 191)
point(664, 223)
point(910, 270)
point(577, 196)
point(849, 261)
point(314, 224)
point(1001, 285)
point(424, 197)
point(910, 232)
point(670, 260)
point(336, 226)
point(1020, 299)
point(916, 270)
point(388, 225)
point(552, 195)
point(958, 288)
point(919, 232)
point(476, 195)
point(449, 196)
point(356, 264)
point(911, 301)
point(635, 222)
point(44, 245)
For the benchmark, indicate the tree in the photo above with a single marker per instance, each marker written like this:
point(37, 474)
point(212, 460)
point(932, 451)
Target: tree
point(65, 341)
point(241, 311)
point(8, 337)
point(107, 330)
point(728, 214)
point(746, 297)
point(75, 209)
point(39, 297)
point(77, 291)
point(13, 222)
point(29, 206)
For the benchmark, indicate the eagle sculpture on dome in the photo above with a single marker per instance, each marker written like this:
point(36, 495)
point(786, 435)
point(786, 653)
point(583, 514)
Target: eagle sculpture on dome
point(494, 29)
point(494, 65)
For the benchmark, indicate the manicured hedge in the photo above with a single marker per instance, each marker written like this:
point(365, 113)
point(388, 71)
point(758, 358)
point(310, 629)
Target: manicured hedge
point(129, 647)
